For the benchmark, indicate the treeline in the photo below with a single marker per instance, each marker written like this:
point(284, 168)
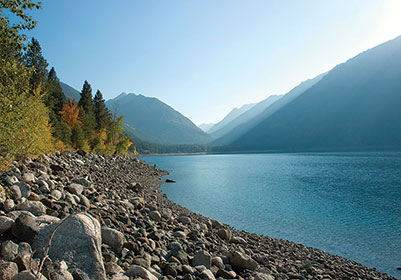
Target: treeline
point(35, 117)
point(144, 147)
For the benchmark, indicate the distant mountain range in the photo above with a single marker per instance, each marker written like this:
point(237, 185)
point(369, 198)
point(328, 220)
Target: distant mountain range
point(261, 111)
point(154, 121)
point(206, 126)
point(69, 92)
point(241, 119)
point(357, 105)
point(234, 113)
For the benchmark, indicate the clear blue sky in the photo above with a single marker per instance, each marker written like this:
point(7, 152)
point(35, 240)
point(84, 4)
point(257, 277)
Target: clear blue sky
point(205, 57)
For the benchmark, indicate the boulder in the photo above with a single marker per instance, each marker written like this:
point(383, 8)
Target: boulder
point(35, 207)
point(77, 241)
point(24, 188)
point(28, 178)
point(15, 192)
point(28, 275)
point(5, 224)
point(155, 216)
point(184, 219)
point(25, 228)
point(263, 276)
point(9, 250)
point(113, 238)
point(8, 205)
point(8, 270)
point(75, 188)
point(139, 271)
point(224, 234)
point(240, 261)
point(202, 258)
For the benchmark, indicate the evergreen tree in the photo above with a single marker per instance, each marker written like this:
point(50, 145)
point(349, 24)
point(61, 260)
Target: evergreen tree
point(77, 136)
point(87, 110)
point(36, 63)
point(55, 98)
point(103, 115)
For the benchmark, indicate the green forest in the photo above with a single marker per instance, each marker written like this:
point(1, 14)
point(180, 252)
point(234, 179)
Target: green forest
point(35, 117)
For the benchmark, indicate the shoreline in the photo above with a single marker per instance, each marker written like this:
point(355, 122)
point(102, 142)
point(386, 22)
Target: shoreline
point(157, 238)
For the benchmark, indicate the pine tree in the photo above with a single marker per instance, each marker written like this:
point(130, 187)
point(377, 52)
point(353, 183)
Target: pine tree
point(55, 98)
point(103, 115)
point(87, 110)
point(36, 63)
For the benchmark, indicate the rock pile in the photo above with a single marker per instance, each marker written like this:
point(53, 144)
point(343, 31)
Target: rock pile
point(70, 216)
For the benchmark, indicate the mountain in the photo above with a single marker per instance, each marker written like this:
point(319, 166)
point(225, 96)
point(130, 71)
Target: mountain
point(355, 106)
point(70, 92)
point(263, 110)
point(205, 126)
point(234, 113)
point(246, 116)
point(154, 121)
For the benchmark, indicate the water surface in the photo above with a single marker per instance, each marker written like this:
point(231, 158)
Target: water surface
point(348, 204)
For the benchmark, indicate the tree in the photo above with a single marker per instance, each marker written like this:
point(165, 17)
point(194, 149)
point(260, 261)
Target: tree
point(18, 8)
point(36, 63)
point(70, 113)
point(87, 110)
point(55, 98)
point(78, 138)
point(103, 115)
point(24, 124)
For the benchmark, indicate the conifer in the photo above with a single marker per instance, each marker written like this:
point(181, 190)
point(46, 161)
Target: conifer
point(87, 110)
point(103, 115)
point(36, 63)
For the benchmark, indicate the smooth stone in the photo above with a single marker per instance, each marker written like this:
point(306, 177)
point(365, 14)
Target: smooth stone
point(43, 186)
point(139, 271)
point(56, 194)
point(155, 216)
point(184, 219)
point(8, 270)
point(113, 238)
point(35, 207)
point(207, 274)
point(224, 234)
point(218, 262)
point(202, 258)
point(27, 275)
point(8, 205)
point(9, 250)
point(5, 224)
point(166, 213)
point(25, 228)
point(240, 261)
point(15, 214)
point(28, 178)
point(263, 276)
point(75, 188)
point(15, 192)
point(77, 241)
point(24, 188)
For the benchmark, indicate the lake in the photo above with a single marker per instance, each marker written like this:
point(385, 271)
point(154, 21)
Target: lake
point(348, 204)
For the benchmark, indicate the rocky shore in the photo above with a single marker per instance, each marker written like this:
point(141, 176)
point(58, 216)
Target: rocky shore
point(72, 216)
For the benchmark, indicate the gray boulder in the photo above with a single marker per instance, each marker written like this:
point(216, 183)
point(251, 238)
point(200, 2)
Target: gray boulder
point(35, 207)
point(113, 238)
point(77, 241)
point(5, 224)
point(25, 228)
point(202, 258)
point(8, 270)
point(240, 261)
point(75, 188)
point(139, 271)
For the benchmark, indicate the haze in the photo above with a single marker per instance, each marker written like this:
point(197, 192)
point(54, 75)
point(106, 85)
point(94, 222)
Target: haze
point(205, 57)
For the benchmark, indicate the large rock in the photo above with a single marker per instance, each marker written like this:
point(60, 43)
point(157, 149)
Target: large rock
point(9, 250)
point(77, 241)
point(263, 276)
point(24, 188)
point(240, 261)
point(28, 178)
point(113, 238)
point(35, 207)
point(75, 188)
point(224, 234)
point(8, 270)
point(202, 258)
point(27, 275)
point(25, 228)
point(139, 271)
point(5, 224)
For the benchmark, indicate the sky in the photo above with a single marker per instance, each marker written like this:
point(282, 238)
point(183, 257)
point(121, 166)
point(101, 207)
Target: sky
point(205, 57)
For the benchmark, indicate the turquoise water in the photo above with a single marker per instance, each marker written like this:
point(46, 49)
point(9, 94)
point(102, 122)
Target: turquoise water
point(348, 204)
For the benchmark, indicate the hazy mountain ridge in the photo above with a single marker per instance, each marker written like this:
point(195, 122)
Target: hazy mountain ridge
point(155, 121)
point(244, 118)
point(70, 92)
point(244, 127)
point(206, 126)
point(232, 115)
point(356, 105)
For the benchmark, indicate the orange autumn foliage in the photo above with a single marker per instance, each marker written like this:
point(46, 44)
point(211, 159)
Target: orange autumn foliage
point(70, 112)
